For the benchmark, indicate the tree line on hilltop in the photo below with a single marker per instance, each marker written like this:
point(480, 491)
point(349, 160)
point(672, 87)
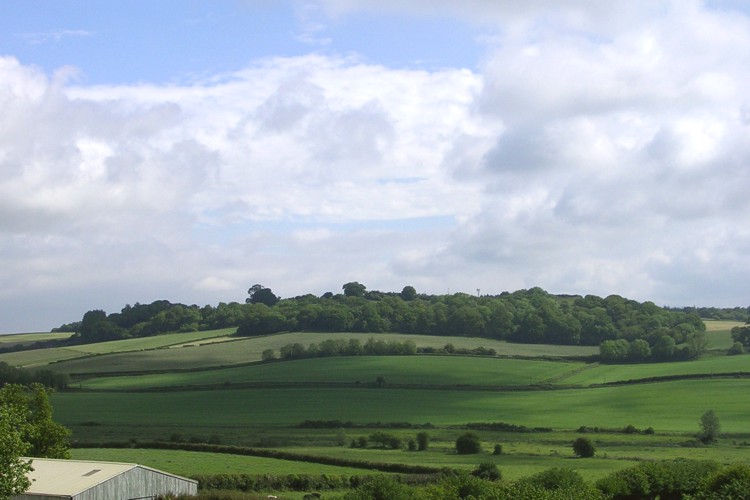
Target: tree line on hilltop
point(525, 316)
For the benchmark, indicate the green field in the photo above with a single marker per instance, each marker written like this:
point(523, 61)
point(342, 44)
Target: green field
point(247, 350)
point(207, 386)
point(709, 365)
point(668, 407)
point(14, 339)
point(41, 357)
point(190, 463)
point(416, 370)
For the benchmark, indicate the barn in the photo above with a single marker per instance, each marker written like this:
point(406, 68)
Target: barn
point(83, 480)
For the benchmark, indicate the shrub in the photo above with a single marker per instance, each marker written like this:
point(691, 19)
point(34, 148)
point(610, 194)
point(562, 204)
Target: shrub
point(423, 441)
point(379, 488)
point(584, 447)
point(625, 484)
point(558, 479)
point(487, 471)
point(710, 427)
point(468, 443)
point(730, 483)
point(737, 348)
point(498, 450)
point(676, 478)
point(462, 485)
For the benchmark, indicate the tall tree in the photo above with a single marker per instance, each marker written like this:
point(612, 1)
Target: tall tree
point(354, 289)
point(13, 469)
point(43, 436)
point(709, 427)
point(258, 294)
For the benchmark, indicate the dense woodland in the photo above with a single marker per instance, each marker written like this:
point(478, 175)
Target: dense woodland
point(626, 329)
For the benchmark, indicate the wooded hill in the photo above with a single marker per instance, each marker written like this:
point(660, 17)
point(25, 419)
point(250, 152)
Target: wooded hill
point(524, 316)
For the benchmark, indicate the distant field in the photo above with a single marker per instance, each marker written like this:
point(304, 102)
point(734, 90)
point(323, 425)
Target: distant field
point(670, 406)
point(189, 463)
point(13, 339)
point(718, 333)
point(422, 370)
point(40, 357)
point(247, 350)
point(601, 373)
point(719, 325)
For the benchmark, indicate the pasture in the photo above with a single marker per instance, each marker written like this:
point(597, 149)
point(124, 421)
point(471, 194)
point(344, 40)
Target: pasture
point(415, 370)
point(246, 350)
point(41, 357)
point(14, 339)
point(206, 386)
point(667, 407)
point(189, 463)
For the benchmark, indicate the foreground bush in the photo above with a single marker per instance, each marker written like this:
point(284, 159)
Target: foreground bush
point(732, 483)
point(669, 480)
point(557, 479)
point(380, 488)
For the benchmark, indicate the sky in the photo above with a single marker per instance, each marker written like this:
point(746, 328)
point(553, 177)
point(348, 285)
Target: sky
point(187, 150)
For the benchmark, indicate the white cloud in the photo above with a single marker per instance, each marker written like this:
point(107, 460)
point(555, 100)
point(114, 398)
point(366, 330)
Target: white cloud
point(592, 153)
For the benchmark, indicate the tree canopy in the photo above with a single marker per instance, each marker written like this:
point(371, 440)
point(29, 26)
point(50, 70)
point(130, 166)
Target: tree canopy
point(627, 330)
point(26, 430)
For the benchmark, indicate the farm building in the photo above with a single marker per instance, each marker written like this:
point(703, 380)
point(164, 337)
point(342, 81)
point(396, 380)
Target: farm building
point(80, 480)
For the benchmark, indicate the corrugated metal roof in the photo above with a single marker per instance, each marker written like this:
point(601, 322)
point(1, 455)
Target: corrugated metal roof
point(71, 477)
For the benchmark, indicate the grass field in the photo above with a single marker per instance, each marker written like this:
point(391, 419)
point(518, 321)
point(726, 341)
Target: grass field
point(418, 370)
point(41, 357)
point(10, 340)
point(247, 350)
point(445, 391)
point(668, 407)
point(709, 365)
point(189, 463)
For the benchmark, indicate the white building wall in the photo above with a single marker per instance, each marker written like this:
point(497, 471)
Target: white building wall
point(137, 483)
point(140, 482)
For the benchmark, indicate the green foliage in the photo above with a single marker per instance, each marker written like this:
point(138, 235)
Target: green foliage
point(630, 483)
point(710, 427)
point(737, 348)
point(526, 316)
point(741, 334)
point(665, 480)
point(584, 447)
point(258, 294)
point(527, 490)
point(268, 355)
point(354, 289)
point(423, 441)
point(558, 479)
point(460, 486)
point(468, 443)
point(13, 470)
point(44, 437)
point(341, 347)
point(498, 449)
point(48, 378)
point(728, 484)
point(384, 439)
point(487, 471)
point(380, 488)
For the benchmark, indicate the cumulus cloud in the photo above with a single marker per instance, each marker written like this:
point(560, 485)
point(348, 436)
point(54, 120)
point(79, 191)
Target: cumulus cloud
point(189, 189)
point(590, 152)
point(622, 162)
